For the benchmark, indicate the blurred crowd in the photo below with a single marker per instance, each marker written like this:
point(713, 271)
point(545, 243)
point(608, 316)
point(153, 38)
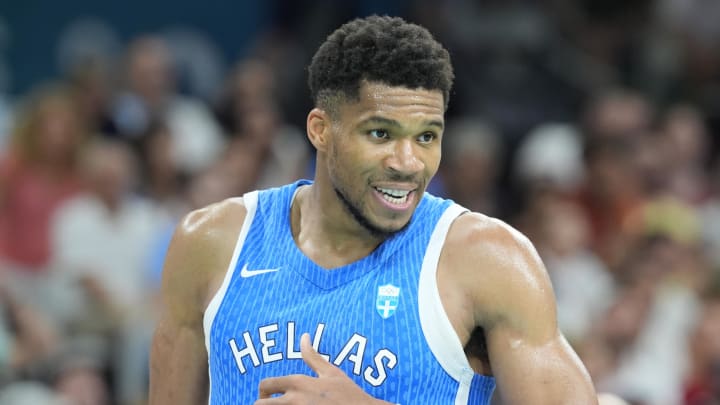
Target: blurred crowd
point(589, 125)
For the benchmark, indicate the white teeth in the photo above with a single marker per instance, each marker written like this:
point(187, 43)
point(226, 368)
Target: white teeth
point(395, 200)
point(394, 193)
point(394, 196)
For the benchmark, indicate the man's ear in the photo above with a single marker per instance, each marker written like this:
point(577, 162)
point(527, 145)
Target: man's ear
point(319, 128)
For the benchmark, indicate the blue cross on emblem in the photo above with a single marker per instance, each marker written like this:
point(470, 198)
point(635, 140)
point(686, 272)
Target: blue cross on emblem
point(387, 300)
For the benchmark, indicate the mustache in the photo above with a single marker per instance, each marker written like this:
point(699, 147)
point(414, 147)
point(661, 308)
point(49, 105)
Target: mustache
point(399, 178)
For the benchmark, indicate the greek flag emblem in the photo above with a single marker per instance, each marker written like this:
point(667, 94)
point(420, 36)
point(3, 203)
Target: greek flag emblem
point(387, 300)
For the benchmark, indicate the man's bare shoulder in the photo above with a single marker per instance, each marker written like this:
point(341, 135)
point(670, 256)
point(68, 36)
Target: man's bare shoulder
point(488, 239)
point(208, 221)
point(200, 251)
point(207, 235)
point(499, 265)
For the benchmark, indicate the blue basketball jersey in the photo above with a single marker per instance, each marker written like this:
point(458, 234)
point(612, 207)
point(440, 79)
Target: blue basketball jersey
point(379, 319)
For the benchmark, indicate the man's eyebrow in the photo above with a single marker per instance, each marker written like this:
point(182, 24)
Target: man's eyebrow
point(381, 121)
point(434, 123)
point(394, 123)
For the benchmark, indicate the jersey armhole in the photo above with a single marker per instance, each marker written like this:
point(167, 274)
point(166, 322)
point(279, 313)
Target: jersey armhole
point(250, 201)
point(437, 329)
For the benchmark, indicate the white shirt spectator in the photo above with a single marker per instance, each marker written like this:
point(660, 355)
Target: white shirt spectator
point(113, 247)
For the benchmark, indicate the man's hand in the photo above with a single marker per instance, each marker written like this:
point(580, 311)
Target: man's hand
point(331, 386)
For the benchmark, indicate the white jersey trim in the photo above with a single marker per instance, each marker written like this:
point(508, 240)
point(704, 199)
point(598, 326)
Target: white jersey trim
point(250, 201)
point(439, 333)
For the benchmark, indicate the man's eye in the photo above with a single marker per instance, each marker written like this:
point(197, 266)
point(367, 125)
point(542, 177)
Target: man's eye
point(378, 133)
point(427, 137)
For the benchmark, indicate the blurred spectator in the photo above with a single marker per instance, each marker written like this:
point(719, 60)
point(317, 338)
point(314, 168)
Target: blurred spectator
point(550, 155)
point(198, 63)
point(151, 94)
point(583, 287)
point(88, 51)
point(651, 162)
point(648, 326)
point(160, 178)
point(472, 157)
point(83, 385)
point(703, 383)
point(263, 150)
point(285, 49)
point(694, 25)
point(710, 220)
point(38, 173)
point(102, 234)
point(666, 216)
point(87, 40)
point(617, 112)
point(30, 393)
point(80, 372)
point(612, 191)
point(93, 83)
point(687, 144)
point(27, 339)
point(102, 239)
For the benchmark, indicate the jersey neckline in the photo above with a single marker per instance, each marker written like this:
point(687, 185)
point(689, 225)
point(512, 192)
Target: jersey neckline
point(332, 278)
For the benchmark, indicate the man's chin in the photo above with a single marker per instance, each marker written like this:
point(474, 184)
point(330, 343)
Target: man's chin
point(380, 230)
point(388, 230)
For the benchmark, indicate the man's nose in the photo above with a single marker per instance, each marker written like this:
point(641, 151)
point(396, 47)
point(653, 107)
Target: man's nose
point(404, 157)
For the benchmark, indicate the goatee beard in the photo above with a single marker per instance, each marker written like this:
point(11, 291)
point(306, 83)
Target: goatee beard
point(363, 221)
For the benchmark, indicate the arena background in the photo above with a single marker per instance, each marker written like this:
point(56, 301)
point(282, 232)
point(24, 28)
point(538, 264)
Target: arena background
point(590, 125)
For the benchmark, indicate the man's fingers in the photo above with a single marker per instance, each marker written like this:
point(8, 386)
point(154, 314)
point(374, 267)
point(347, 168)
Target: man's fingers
point(280, 385)
point(313, 359)
point(273, 385)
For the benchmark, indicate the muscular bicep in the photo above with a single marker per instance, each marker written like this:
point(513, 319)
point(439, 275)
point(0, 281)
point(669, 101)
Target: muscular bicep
point(530, 358)
point(515, 305)
point(537, 371)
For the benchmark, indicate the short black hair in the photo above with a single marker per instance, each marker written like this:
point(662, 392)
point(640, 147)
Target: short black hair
point(381, 49)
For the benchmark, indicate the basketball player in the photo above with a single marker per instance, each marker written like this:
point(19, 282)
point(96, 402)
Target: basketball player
point(359, 287)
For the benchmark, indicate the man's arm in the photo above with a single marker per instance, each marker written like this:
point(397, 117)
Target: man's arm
point(196, 260)
point(514, 303)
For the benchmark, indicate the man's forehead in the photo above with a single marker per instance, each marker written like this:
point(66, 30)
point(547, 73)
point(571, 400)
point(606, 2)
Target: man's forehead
point(378, 92)
point(378, 99)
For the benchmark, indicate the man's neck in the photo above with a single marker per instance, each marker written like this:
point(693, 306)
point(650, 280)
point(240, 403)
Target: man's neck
point(326, 232)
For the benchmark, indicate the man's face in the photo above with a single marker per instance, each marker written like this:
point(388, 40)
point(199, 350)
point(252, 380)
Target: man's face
point(383, 151)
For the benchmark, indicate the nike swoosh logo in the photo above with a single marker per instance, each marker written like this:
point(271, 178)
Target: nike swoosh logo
point(245, 273)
